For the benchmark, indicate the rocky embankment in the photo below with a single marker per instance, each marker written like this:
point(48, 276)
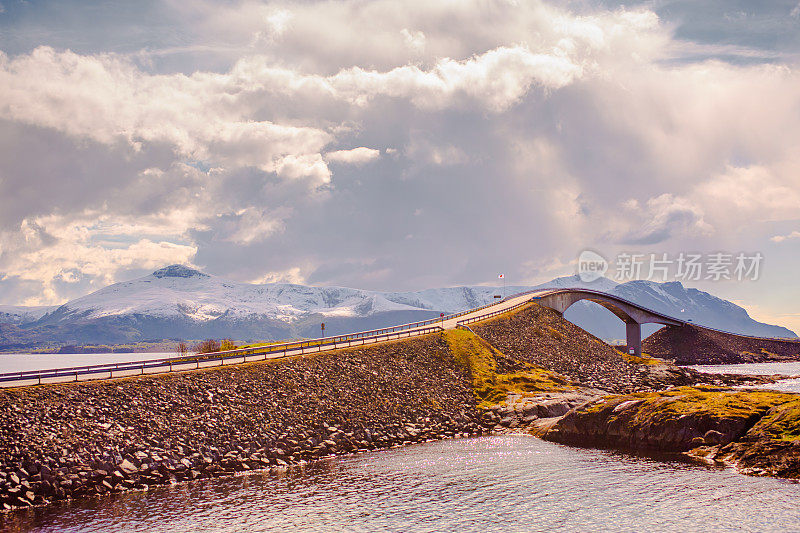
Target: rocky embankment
point(82, 439)
point(693, 345)
point(663, 407)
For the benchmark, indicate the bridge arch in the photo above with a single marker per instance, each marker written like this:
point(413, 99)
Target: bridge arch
point(631, 314)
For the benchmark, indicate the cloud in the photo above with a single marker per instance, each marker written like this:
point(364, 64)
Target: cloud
point(291, 275)
point(355, 156)
point(662, 218)
point(781, 238)
point(520, 132)
point(757, 192)
point(69, 255)
point(108, 100)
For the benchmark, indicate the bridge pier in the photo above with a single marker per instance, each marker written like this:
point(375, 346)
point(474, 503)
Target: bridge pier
point(633, 338)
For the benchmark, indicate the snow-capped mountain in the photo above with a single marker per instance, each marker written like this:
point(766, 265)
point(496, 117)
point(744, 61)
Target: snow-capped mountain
point(22, 314)
point(181, 292)
point(180, 302)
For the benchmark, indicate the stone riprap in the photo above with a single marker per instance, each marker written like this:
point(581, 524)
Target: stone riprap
point(692, 345)
point(72, 440)
point(81, 439)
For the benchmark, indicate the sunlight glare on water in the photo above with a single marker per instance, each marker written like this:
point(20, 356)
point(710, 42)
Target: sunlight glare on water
point(508, 483)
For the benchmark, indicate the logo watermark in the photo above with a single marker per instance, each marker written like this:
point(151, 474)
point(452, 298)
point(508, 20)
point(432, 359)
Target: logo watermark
point(682, 266)
point(591, 266)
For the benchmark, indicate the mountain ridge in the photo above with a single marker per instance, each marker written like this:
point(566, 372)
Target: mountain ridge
point(181, 302)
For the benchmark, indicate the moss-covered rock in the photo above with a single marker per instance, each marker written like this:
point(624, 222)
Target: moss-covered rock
point(757, 430)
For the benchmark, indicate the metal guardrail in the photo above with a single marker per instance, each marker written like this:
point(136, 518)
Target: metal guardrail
point(290, 348)
point(170, 364)
point(778, 339)
point(491, 314)
point(613, 297)
point(308, 346)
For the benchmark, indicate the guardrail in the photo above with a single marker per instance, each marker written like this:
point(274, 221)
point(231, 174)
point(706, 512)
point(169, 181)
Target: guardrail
point(107, 371)
point(257, 353)
point(778, 339)
point(302, 347)
point(491, 314)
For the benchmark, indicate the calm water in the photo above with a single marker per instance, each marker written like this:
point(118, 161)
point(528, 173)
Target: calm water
point(762, 369)
point(509, 483)
point(21, 362)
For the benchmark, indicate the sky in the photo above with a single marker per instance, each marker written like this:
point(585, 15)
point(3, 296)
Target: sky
point(397, 145)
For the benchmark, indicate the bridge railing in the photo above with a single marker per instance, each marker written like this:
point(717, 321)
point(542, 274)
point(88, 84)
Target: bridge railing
point(755, 337)
point(304, 346)
point(290, 348)
point(155, 366)
point(491, 314)
point(167, 364)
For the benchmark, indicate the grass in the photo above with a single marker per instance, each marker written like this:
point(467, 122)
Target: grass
point(779, 412)
point(781, 423)
point(490, 386)
point(643, 359)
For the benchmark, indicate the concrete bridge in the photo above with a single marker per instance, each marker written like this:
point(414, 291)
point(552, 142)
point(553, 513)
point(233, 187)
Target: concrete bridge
point(632, 314)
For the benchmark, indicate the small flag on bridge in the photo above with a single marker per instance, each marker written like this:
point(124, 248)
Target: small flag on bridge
point(500, 276)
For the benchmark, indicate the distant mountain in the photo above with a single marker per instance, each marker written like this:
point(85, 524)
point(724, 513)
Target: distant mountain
point(180, 302)
point(21, 314)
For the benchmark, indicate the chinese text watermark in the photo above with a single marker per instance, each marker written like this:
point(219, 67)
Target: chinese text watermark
point(683, 266)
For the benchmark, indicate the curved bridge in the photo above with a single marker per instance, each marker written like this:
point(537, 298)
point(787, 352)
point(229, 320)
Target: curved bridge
point(632, 314)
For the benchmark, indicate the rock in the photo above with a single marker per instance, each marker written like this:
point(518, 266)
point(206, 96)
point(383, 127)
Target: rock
point(128, 467)
point(146, 431)
point(509, 422)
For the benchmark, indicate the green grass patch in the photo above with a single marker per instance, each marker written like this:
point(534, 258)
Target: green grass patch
point(490, 386)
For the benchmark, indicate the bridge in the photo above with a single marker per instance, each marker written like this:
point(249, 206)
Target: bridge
point(634, 315)
point(558, 299)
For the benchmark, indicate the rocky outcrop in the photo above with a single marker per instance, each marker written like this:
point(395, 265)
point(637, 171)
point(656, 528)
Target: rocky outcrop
point(693, 345)
point(520, 410)
point(72, 440)
point(759, 431)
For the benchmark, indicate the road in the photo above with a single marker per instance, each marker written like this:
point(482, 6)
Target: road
point(158, 366)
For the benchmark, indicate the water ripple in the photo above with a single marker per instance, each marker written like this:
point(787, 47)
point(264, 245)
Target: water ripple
point(510, 483)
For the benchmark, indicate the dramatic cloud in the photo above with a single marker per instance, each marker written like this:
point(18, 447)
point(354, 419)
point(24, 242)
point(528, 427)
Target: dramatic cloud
point(389, 144)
